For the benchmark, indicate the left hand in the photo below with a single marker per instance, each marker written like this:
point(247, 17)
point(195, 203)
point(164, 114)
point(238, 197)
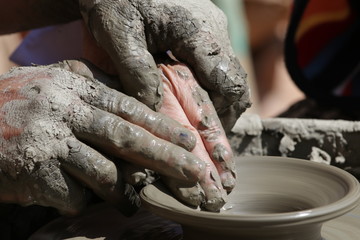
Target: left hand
point(132, 31)
point(53, 121)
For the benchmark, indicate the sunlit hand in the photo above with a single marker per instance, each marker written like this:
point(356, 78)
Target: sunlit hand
point(54, 122)
point(133, 31)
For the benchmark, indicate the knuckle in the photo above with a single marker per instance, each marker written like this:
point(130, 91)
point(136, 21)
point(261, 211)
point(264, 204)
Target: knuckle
point(80, 117)
point(127, 106)
point(183, 137)
point(123, 135)
point(180, 16)
point(193, 167)
point(223, 155)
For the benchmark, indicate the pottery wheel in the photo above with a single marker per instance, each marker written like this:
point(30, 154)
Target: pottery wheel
point(103, 221)
point(346, 227)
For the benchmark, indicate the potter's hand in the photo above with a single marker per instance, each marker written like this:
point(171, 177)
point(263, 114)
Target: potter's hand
point(51, 122)
point(186, 102)
point(195, 32)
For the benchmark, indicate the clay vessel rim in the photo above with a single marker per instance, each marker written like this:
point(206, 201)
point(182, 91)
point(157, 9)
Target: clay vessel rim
point(313, 215)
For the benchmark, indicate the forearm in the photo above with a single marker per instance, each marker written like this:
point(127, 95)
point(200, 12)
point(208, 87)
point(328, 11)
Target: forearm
point(21, 15)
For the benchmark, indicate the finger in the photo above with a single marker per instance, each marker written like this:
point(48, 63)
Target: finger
point(210, 183)
point(74, 66)
point(130, 142)
point(47, 186)
point(43, 184)
point(54, 187)
point(203, 43)
point(101, 175)
point(108, 99)
point(189, 193)
point(199, 111)
point(227, 111)
point(226, 79)
point(137, 113)
point(215, 195)
point(88, 70)
point(208, 194)
point(120, 31)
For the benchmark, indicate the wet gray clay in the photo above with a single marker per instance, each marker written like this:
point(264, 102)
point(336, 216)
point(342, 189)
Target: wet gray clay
point(334, 142)
point(275, 198)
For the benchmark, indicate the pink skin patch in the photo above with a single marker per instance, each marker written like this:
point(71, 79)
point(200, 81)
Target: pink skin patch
point(186, 102)
point(10, 90)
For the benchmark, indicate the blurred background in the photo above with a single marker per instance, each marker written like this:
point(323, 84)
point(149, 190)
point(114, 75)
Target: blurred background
point(257, 29)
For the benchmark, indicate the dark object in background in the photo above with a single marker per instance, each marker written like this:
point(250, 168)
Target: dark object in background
point(309, 108)
point(18, 223)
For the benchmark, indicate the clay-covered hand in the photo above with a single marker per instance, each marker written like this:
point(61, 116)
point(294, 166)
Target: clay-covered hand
point(132, 31)
point(55, 119)
point(186, 102)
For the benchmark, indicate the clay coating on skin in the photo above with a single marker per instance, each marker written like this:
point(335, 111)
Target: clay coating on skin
point(133, 31)
point(189, 104)
point(41, 110)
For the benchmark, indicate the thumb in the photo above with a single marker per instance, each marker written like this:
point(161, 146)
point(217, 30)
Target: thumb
point(120, 31)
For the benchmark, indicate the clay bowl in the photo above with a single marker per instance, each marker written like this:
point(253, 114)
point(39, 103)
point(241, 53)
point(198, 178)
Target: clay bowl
point(275, 198)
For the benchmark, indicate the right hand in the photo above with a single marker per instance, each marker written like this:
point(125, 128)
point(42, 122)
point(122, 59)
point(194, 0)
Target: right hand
point(195, 31)
point(53, 122)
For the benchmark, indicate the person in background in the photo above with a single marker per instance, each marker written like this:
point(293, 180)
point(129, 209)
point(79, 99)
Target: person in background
point(322, 55)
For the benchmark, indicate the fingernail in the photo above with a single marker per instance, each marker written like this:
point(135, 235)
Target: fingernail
point(214, 205)
point(185, 139)
point(188, 193)
point(215, 200)
point(73, 146)
point(230, 69)
point(224, 156)
point(192, 196)
point(215, 196)
point(228, 181)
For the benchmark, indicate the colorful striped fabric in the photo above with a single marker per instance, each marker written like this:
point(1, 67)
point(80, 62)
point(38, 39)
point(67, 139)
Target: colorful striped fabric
point(323, 49)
